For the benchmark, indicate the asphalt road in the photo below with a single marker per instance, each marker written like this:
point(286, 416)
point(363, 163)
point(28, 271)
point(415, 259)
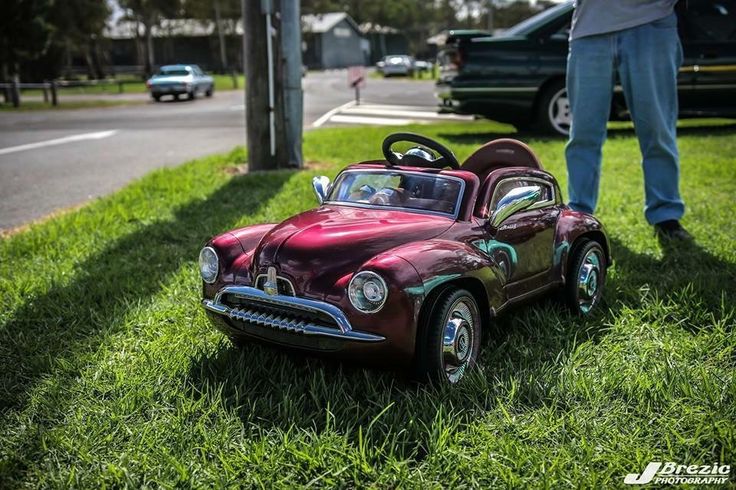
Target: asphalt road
point(57, 159)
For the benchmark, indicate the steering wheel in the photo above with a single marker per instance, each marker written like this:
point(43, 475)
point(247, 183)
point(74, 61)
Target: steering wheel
point(446, 158)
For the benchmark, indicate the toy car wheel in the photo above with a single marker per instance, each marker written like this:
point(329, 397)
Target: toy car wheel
point(553, 113)
point(586, 276)
point(452, 337)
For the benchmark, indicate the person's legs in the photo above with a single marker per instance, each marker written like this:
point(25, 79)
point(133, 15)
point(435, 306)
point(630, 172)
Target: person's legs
point(650, 58)
point(589, 89)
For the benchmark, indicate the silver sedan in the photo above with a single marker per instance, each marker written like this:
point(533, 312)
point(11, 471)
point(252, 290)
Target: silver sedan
point(178, 80)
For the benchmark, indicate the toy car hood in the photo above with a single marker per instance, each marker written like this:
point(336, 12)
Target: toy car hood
point(318, 247)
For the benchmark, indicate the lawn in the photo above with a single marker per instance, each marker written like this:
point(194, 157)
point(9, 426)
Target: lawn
point(37, 105)
point(132, 85)
point(110, 374)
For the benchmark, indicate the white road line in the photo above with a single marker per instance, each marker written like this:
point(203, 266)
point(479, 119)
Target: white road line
point(422, 108)
point(327, 115)
point(59, 141)
point(380, 121)
point(370, 111)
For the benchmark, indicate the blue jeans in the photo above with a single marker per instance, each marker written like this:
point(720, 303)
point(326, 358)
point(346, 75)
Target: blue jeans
point(647, 59)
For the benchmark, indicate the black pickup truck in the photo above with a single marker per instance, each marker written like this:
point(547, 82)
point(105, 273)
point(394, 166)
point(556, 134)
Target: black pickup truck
point(519, 76)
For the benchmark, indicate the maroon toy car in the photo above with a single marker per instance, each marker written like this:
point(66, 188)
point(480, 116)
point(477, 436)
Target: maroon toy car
point(407, 259)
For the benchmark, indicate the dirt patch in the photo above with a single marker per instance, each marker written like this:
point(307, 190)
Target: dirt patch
point(7, 233)
point(241, 169)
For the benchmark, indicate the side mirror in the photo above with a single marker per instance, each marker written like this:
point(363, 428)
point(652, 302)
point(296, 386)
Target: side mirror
point(321, 187)
point(514, 201)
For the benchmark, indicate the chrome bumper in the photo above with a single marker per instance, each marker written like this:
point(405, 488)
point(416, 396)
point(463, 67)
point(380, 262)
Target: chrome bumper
point(280, 314)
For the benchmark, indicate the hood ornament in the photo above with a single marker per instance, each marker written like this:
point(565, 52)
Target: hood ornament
point(271, 286)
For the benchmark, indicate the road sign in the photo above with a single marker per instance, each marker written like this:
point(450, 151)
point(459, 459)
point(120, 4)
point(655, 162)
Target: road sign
point(356, 76)
point(356, 80)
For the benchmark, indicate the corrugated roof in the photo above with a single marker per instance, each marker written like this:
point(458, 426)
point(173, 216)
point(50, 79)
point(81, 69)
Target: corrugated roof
point(322, 22)
point(371, 27)
point(125, 29)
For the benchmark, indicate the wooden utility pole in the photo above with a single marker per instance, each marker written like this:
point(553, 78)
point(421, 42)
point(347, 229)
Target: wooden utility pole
point(291, 47)
point(273, 109)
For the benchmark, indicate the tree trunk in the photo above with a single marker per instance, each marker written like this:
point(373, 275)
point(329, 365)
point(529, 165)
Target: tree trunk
point(88, 62)
point(221, 37)
point(96, 59)
point(150, 62)
point(139, 60)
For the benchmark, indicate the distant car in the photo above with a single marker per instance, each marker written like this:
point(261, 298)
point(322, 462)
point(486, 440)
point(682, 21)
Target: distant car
point(178, 80)
point(399, 64)
point(421, 66)
point(518, 77)
point(405, 262)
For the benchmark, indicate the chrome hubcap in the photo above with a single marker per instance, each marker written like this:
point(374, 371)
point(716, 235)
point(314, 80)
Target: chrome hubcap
point(559, 112)
point(457, 341)
point(589, 280)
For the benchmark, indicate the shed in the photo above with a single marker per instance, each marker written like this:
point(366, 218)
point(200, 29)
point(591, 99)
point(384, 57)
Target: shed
point(333, 40)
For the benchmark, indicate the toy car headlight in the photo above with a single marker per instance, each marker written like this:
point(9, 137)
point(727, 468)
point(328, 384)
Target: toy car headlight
point(209, 264)
point(367, 291)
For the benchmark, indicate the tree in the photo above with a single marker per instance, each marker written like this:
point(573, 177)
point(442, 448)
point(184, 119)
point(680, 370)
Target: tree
point(417, 19)
point(150, 13)
point(222, 11)
point(78, 26)
point(24, 33)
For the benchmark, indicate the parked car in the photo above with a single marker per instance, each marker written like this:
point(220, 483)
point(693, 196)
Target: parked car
point(422, 66)
point(178, 80)
point(406, 262)
point(518, 77)
point(399, 64)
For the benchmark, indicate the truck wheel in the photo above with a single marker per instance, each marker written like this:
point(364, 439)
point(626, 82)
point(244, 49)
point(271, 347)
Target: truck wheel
point(210, 91)
point(553, 112)
point(586, 276)
point(191, 94)
point(157, 98)
point(451, 339)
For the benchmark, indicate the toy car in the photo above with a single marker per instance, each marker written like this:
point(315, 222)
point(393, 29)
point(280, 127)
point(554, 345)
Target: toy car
point(408, 259)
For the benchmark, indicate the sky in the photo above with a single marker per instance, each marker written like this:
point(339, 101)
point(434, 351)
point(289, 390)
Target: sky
point(117, 12)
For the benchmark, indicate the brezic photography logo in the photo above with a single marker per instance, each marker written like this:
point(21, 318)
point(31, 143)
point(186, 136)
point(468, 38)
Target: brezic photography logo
point(670, 473)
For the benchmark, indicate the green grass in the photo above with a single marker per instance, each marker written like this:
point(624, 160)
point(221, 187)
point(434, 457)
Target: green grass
point(222, 82)
point(110, 374)
point(35, 105)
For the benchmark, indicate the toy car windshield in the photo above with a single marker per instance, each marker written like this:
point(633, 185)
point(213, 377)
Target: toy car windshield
point(398, 189)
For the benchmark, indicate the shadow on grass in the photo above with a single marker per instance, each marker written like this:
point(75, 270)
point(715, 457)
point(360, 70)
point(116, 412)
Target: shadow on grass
point(74, 318)
point(481, 138)
point(687, 274)
point(520, 360)
point(707, 129)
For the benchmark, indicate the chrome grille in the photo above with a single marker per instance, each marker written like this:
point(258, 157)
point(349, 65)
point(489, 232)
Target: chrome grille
point(276, 315)
point(284, 285)
point(252, 306)
point(279, 321)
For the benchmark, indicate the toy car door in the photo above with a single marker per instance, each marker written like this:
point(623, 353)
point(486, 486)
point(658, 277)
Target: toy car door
point(527, 235)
